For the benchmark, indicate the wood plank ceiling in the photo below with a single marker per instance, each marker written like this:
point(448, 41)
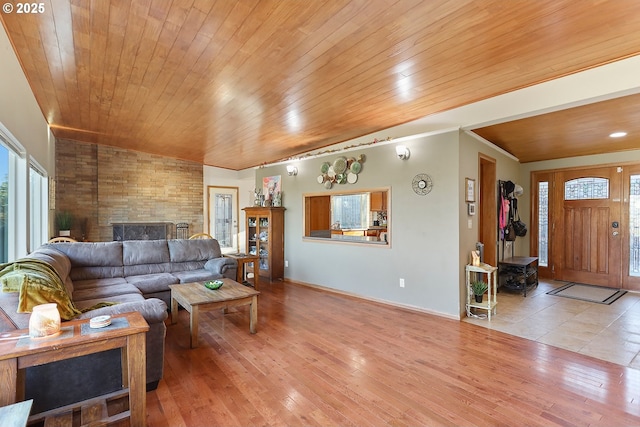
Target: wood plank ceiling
point(236, 84)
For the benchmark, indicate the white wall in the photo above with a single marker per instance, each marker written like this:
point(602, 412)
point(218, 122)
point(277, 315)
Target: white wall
point(19, 112)
point(24, 126)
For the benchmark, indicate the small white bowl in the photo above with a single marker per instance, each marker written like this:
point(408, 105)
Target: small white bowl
point(100, 321)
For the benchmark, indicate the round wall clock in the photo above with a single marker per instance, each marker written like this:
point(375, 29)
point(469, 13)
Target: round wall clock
point(422, 184)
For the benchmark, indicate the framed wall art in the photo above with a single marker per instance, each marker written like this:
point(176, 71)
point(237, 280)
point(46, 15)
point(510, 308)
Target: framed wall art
point(470, 190)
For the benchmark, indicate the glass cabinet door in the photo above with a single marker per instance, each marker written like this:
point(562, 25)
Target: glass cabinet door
point(258, 231)
point(263, 236)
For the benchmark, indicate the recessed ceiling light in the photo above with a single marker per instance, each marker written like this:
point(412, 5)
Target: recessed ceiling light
point(618, 134)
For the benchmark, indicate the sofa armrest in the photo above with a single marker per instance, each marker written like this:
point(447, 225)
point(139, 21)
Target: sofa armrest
point(221, 265)
point(154, 310)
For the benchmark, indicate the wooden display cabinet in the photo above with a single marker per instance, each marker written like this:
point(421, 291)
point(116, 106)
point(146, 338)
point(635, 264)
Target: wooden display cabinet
point(265, 238)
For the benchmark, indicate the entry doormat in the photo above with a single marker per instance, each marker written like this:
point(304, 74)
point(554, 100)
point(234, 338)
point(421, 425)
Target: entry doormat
point(591, 293)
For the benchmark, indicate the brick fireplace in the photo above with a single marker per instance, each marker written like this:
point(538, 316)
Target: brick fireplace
point(105, 186)
point(142, 231)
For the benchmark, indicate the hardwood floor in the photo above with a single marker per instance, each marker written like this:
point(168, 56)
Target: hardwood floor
point(329, 360)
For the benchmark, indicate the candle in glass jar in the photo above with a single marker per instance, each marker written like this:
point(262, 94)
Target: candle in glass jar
point(44, 320)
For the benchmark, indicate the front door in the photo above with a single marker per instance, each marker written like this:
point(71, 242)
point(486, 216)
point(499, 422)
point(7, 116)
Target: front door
point(588, 226)
point(223, 217)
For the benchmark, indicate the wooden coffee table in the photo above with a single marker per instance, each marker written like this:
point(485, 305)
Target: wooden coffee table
point(194, 297)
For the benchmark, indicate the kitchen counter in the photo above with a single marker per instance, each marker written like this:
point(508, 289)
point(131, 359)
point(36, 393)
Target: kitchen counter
point(355, 231)
point(360, 238)
point(359, 235)
point(363, 234)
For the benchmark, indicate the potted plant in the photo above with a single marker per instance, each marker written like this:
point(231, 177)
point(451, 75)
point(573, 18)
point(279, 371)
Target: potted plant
point(479, 288)
point(64, 221)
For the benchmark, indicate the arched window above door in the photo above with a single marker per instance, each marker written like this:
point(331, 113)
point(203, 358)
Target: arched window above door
point(586, 188)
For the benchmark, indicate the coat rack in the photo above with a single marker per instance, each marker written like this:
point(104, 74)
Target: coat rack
point(505, 194)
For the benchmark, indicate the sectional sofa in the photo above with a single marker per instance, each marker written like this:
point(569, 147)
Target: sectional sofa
point(135, 275)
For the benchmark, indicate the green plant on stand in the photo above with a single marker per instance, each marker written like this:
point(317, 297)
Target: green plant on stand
point(64, 221)
point(479, 288)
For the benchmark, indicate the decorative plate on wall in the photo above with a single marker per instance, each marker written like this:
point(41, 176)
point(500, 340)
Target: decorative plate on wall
point(343, 170)
point(422, 184)
point(340, 165)
point(356, 167)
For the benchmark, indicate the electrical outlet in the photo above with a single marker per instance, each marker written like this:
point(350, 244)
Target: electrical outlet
point(286, 263)
point(402, 283)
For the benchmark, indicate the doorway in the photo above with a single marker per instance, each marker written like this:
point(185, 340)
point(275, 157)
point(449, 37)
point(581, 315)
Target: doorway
point(223, 217)
point(586, 225)
point(488, 203)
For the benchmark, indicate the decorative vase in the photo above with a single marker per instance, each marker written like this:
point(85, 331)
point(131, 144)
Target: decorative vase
point(479, 297)
point(65, 233)
point(277, 199)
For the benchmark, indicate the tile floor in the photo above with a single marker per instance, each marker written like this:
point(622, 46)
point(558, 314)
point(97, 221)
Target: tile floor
point(608, 332)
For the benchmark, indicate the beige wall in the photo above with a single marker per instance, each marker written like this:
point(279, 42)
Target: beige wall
point(424, 230)
point(106, 184)
point(507, 169)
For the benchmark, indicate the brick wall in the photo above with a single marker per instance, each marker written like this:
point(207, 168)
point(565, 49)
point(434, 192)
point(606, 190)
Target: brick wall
point(102, 185)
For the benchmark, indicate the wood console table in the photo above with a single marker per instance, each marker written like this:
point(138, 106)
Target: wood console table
point(127, 331)
point(243, 261)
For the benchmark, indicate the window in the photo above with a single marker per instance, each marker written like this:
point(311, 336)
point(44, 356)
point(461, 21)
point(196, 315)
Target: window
point(4, 203)
point(586, 188)
point(543, 223)
point(348, 216)
point(14, 218)
point(223, 219)
point(38, 212)
point(350, 211)
point(634, 226)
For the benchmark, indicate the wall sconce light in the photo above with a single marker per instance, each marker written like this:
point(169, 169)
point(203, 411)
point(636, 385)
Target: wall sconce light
point(44, 320)
point(402, 152)
point(292, 170)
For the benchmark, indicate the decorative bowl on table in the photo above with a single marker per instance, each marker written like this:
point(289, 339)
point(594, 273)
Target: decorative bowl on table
point(213, 284)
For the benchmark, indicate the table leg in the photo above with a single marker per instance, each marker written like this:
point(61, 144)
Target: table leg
point(137, 373)
point(193, 326)
point(240, 272)
point(253, 320)
point(255, 277)
point(174, 311)
point(8, 381)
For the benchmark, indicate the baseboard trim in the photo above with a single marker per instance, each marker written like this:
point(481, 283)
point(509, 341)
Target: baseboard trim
point(371, 299)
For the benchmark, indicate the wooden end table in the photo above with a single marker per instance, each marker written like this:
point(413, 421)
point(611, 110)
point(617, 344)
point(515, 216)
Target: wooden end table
point(18, 351)
point(16, 414)
point(194, 297)
point(524, 269)
point(243, 260)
